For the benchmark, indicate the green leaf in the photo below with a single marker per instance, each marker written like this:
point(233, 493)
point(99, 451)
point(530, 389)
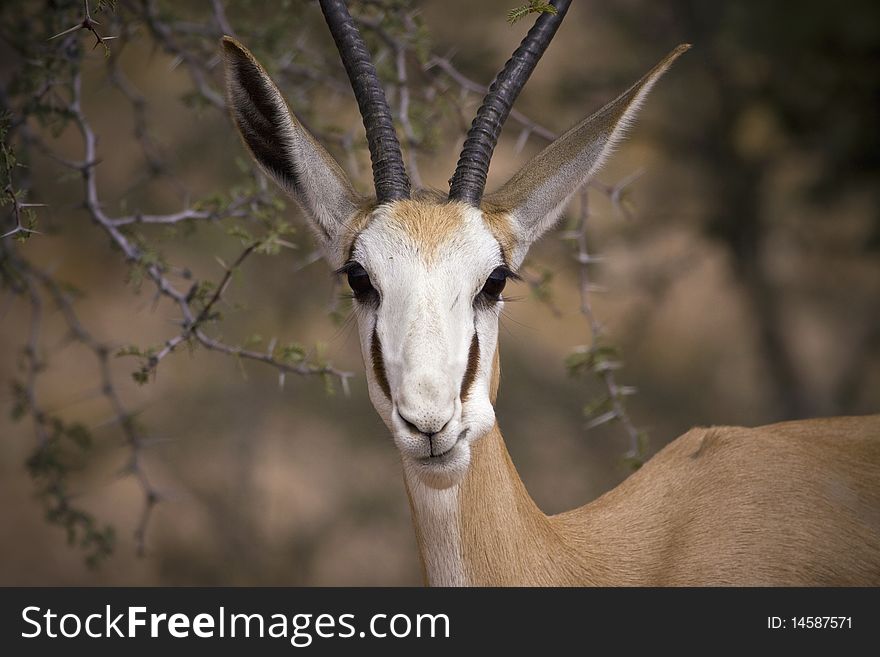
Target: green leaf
point(597, 406)
point(80, 435)
point(293, 353)
point(131, 350)
point(141, 376)
point(534, 7)
point(20, 401)
point(593, 359)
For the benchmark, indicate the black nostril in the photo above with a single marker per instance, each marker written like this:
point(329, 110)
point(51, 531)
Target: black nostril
point(415, 429)
point(409, 424)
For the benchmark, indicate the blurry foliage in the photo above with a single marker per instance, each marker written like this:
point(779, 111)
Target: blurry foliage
point(782, 90)
point(64, 452)
point(49, 47)
point(803, 81)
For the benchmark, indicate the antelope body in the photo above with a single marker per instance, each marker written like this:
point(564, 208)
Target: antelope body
point(791, 503)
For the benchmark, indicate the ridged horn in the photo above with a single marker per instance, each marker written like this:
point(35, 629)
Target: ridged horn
point(389, 174)
point(469, 180)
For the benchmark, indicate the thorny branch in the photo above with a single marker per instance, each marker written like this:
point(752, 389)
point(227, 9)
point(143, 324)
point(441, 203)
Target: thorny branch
point(195, 312)
point(89, 24)
point(403, 116)
point(102, 353)
point(528, 125)
point(191, 322)
point(198, 70)
point(18, 209)
point(597, 356)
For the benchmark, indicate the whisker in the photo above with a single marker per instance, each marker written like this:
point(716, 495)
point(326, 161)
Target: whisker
point(509, 318)
point(342, 333)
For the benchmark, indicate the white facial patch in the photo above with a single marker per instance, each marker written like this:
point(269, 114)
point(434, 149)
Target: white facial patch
point(427, 333)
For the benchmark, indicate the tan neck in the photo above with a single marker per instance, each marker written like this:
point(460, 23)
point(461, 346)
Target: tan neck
point(505, 537)
point(488, 530)
point(688, 517)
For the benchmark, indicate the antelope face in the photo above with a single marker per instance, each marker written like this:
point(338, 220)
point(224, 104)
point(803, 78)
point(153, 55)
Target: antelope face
point(427, 273)
point(427, 279)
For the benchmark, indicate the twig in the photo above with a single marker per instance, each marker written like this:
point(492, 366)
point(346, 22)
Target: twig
point(165, 36)
point(123, 416)
point(17, 207)
point(467, 84)
point(89, 24)
point(605, 370)
point(403, 114)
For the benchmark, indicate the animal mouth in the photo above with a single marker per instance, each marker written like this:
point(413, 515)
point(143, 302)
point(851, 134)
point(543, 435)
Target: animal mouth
point(435, 458)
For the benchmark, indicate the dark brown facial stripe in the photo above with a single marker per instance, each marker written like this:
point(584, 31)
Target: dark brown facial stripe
point(379, 364)
point(471, 372)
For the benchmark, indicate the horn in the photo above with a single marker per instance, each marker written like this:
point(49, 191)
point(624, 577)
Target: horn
point(389, 174)
point(469, 180)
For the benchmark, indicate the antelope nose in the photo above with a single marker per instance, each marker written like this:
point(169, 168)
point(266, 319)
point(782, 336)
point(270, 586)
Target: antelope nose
point(427, 424)
point(425, 403)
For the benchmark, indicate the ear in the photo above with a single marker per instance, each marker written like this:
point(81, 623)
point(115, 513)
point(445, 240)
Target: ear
point(284, 148)
point(536, 195)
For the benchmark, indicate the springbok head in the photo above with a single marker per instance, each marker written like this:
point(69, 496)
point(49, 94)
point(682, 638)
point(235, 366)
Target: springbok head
point(427, 271)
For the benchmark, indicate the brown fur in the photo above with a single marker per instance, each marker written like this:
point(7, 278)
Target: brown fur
point(354, 226)
point(430, 225)
point(796, 503)
point(497, 219)
point(430, 220)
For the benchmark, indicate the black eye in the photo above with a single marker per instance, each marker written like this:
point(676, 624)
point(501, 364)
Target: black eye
point(359, 281)
point(494, 285)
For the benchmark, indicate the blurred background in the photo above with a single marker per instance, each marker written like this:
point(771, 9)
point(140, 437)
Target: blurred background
point(739, 281)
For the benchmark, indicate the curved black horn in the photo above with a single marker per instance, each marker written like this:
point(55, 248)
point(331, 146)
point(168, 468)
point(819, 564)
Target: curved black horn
point(469, 180)
point(389, 174)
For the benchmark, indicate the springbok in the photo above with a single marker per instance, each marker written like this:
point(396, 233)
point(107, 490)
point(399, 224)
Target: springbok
point(791, 503)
